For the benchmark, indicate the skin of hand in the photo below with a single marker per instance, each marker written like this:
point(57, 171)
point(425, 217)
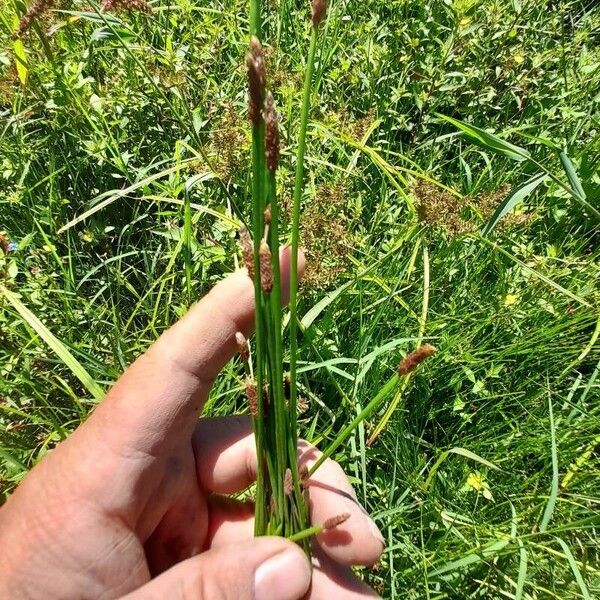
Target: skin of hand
point(135, 502)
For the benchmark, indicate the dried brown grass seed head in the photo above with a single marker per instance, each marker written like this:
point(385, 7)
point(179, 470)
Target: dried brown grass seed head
point(333, 522)
point(318, 10)
point(122, 5)
point(257, 79)
point(415, 358)
point(251, 396)
point(247, 250)
point(271, 134)
point(266, 268)
point(36, 9)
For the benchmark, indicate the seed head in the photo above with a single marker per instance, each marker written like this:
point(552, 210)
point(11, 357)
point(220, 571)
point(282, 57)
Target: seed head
point(266, 268)
point(319, 10)
point(247, 250)
point(242, 345)
point(257, 78)
point(415, 358)
point(35, 10)
point(333, 522)
point(303, 474)
point(256, 49)
point(132, 5)
point(271, 134)
point(288, 484)
point(268, 215)
point(252, 396)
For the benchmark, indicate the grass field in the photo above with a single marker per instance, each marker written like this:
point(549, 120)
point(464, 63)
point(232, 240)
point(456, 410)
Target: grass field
point(124, 151)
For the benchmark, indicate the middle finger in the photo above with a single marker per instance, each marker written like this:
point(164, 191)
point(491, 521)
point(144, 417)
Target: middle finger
point(226, 463)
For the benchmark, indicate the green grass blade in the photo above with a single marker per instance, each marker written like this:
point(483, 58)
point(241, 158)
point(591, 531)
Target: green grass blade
point(473, 557)
point(540, 276)
point(54, 344)
point(21, 64)
point(488, 141)
point(187, 236)
point(365, 413)
point(549, 510)
point(14, 462)
point(522, 571)
point(107, 198)
point(576, 572)
point(461, 452)
point(571, 174)
point(422, 323)
point(516, 195)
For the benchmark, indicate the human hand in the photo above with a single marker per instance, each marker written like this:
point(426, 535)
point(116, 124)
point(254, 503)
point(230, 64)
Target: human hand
point(134, 502)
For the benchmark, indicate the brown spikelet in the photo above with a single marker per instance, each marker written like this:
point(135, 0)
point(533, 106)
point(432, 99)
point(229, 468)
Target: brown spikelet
point(271, 134)
point(252, 396)
point(268, 215)
point(415, 358)
point(303, 474)
point(287, 385)
point(288, 484)
point(266, 268)
point(333, 522)
point(319, 10)
point(242, 344)
point(35, 10)
point(256, 79)
point(247, 250)
point(121, 5)
point(256, 49)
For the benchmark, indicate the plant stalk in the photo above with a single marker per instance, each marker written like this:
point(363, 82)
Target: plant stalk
point(343, 435)
point(298, 188)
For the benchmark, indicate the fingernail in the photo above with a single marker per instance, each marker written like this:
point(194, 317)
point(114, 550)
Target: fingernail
point(285, 576)
point(375, 531)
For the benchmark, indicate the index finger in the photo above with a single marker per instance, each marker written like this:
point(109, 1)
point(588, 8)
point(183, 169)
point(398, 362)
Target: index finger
point(158, 399)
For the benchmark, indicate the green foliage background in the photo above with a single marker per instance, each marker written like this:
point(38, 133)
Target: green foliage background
point(133, 114)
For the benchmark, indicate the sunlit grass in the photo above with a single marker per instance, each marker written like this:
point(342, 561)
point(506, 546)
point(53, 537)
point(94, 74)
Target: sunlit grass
point(113, 136)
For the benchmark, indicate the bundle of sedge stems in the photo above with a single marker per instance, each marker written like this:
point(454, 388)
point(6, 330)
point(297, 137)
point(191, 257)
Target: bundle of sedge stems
point(281, 507)
point(281, 487)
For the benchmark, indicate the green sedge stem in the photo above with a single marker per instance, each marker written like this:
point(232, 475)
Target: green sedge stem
point(187, 235)
point(282, 412)
point(422, 324)
point(298, 188)
point(255, 20)
point(258, 177)
point(306, 533)
point(375, 403)
point(258, 135)
point(277, 342)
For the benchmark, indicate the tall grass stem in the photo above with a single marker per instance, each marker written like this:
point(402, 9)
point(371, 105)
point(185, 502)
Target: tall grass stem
point(297, 198)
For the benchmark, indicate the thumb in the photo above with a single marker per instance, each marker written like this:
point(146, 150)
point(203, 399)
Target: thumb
point(258, 569)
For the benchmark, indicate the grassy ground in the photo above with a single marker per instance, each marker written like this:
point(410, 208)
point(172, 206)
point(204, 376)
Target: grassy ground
point(486, 477)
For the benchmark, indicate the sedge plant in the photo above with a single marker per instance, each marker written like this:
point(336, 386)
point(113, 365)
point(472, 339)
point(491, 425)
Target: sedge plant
point(281, 506)
point(280, 498)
